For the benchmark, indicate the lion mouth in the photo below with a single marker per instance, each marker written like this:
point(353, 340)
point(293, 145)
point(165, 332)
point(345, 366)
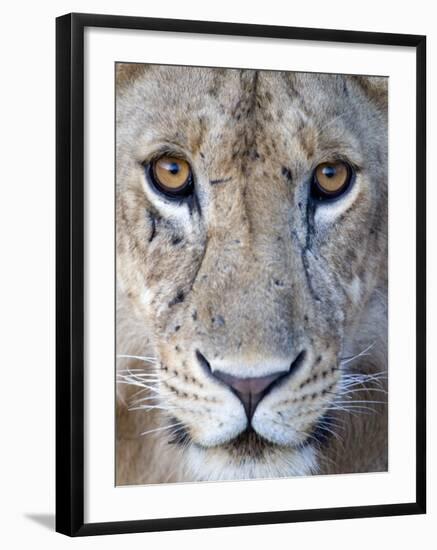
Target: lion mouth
point(244, 443)
point(250, 443)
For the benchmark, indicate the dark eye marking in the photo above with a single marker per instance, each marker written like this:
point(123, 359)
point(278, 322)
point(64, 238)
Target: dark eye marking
point(176, 240)
point(286, 172)
point(221, 180)
point(179, 298)
point(153, 230)
point(153, 219)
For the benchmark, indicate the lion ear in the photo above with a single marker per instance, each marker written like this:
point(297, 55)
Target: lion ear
point(127, 73)
point(376, 88)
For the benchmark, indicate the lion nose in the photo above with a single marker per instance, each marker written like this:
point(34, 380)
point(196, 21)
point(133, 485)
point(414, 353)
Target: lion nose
point(250, 391)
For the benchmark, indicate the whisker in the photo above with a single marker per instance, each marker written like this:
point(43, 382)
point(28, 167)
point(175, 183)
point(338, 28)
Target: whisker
point(325, 428)
point(162, 428)
point(133, 379)
point(140, 392)
point(310, 436)
point(336, 422)
point(332, 120)
point(140, 384)
point(353, 401)
point(366, 381)
point(353, 408)
point(139, 376)
point(356, 390)
point(142, 399)
point(346, 360)
point(137, 402)
point(141, 381)
point(149, 398)
point(136, 382)
point(132, 370)
point(151, 407)
point(371, 374)
point(381, 375)
point(140, 357)
point(325, 458)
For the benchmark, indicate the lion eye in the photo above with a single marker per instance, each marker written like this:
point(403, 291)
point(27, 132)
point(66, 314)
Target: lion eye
point(331, 179)
point(172, 176)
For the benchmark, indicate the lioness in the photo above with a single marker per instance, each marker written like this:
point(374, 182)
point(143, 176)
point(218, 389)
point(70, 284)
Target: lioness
point(251, 223)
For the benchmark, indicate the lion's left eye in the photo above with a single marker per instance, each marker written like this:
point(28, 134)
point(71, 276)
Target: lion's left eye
point(331, 179)
point(172, 176)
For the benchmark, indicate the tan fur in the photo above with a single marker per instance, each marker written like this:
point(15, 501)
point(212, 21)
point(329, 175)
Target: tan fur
point(251, 273)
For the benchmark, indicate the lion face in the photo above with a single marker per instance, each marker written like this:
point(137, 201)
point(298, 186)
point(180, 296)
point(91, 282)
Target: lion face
point(249, 284)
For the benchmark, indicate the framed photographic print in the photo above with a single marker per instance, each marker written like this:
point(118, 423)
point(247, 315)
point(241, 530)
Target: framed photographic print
point(240, 274)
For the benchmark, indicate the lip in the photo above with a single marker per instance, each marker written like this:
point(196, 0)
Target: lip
point(244, 443)
point(249, 439)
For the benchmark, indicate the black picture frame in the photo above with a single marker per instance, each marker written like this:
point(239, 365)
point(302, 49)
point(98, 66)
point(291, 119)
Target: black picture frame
point(70, 273)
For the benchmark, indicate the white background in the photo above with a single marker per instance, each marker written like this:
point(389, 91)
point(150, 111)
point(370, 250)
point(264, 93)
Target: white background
point(27, 274)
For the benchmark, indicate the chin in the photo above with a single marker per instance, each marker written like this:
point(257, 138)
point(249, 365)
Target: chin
point(249, 456)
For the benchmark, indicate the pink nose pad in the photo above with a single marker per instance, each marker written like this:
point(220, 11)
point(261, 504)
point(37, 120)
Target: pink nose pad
point(250, 391)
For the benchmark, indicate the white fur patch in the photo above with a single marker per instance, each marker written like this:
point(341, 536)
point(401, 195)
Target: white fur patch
point(146, 296)
point(216, 465)
point(355, 290)
point(245, 367)
point(327, 212)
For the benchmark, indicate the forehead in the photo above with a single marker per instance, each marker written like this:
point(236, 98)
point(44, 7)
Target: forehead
point(158, 92)
point(179, 80)
point(201, 107)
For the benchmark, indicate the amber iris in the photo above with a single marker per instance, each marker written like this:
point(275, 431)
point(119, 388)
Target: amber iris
point(332, 178)
point(172, 175)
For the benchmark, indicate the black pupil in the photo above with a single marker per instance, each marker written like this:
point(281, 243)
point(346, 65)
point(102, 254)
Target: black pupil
point(174, 168)
point(329, 171)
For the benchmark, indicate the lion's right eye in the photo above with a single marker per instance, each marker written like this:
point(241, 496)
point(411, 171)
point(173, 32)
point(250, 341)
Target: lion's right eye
point(331, 179)
point(172, 176)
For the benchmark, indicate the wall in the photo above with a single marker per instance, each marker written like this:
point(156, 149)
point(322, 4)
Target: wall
point(27, 273)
